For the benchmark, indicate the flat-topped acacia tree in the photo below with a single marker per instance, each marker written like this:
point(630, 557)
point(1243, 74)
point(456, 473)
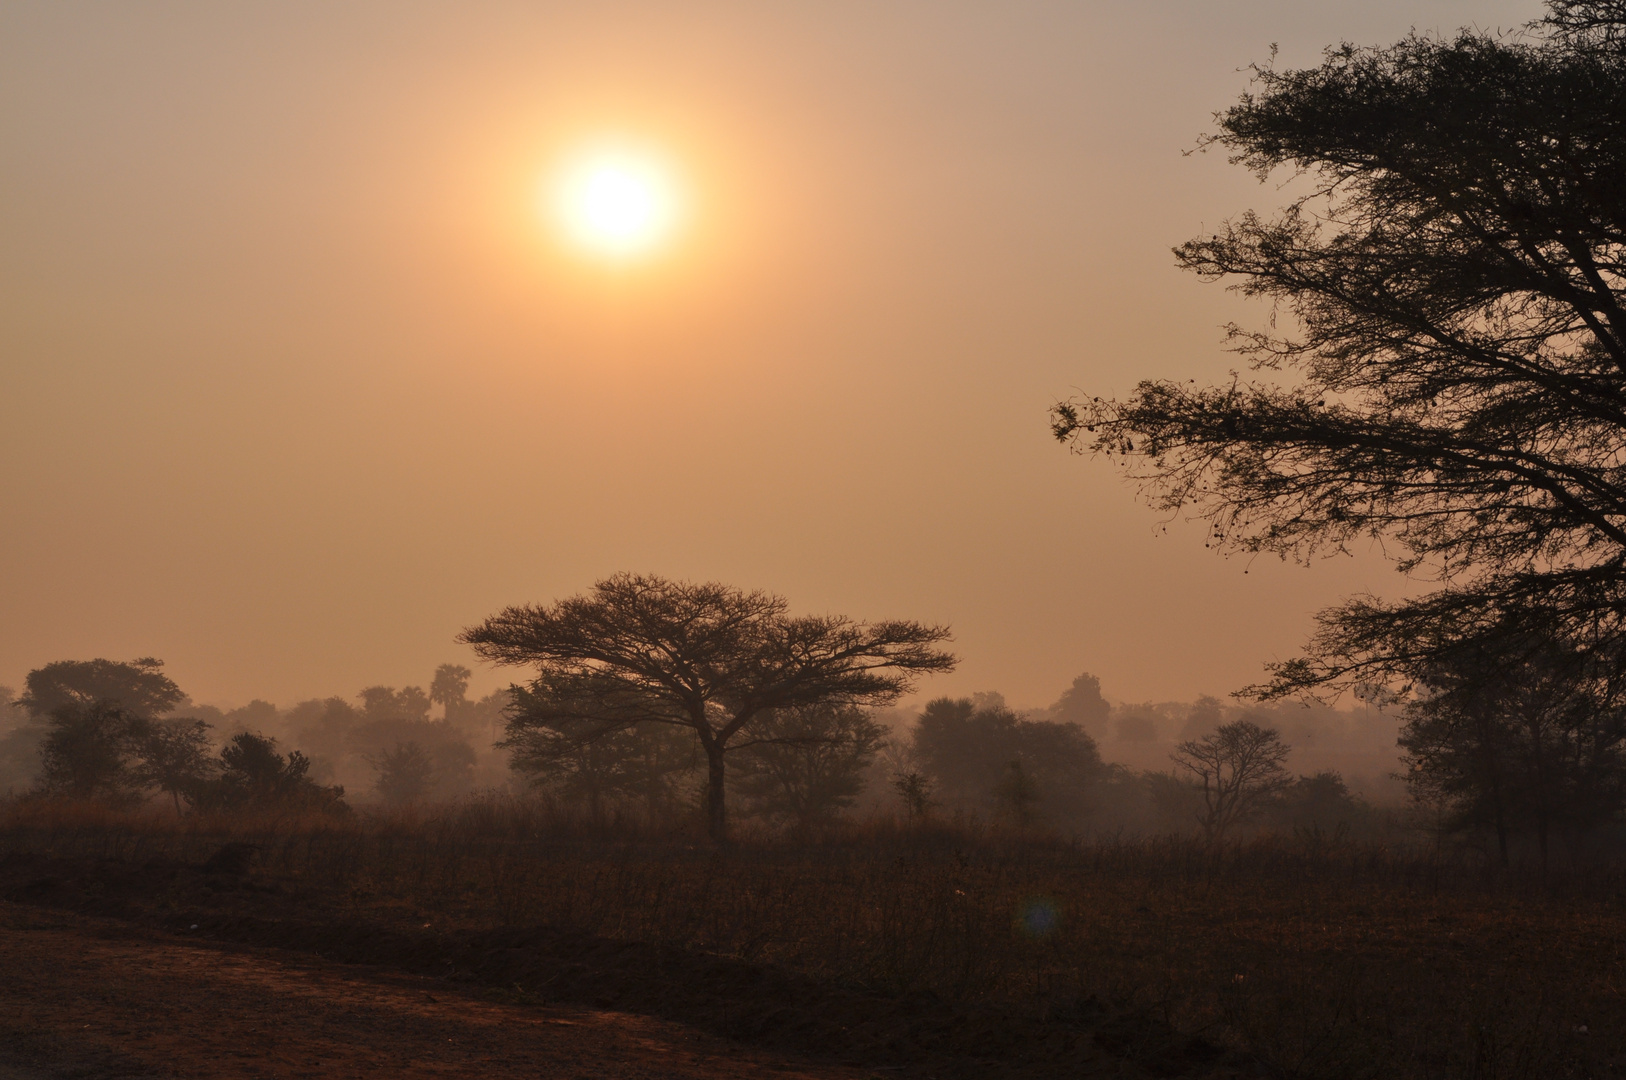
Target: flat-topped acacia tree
point(708, 657)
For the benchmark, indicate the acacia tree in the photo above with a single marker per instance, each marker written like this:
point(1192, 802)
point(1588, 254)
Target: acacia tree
point(1238, 768)
point(1453, 377)
point(138, 687)
point(710, 658)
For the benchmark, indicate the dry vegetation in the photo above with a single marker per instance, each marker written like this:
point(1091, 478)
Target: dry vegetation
point(1321, 958)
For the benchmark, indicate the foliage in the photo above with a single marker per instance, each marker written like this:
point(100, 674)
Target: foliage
point(1533, 741)
point(710, 658)
point(406, 773)
point(254, 776)
point(1238, 769)
point(1018, 795)
point(1319, 804)
point(174, 757)
point(968, 751)
point(1457, 345)
point(139, 688)
point(805, 765)
point(449, 690)
point(915, 789)
point(89, 752)
point(583, 763)
point(1082, 704)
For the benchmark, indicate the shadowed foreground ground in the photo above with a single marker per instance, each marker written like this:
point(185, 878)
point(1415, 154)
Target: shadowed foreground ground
point(161, 969)
point(93, 998)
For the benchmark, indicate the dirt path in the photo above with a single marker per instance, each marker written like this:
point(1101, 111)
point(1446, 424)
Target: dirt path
point(101, 1000)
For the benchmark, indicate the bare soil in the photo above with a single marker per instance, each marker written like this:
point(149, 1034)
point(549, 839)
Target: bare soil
point(116, 970)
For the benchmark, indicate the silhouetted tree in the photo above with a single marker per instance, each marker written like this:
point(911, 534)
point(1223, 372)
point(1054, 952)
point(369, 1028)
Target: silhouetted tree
point(575, 758)
point(915, 789)
point(89, 753)
point(450, 690)
point(1017, 793)
point(254, 776)
point(805, 765)
point(1207, 714)
point(21, 736)
point(709, 658)
point(388, 703)
point(406, 773)
point(138, 688)
point(1458, 353)
point(1321, 802)
point(1533, 740)
point(174, 757)
point(967, 750)
point(1082, 704)
point(1238, 768)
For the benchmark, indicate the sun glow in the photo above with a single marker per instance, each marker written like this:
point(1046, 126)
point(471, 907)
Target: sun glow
point(616, 203)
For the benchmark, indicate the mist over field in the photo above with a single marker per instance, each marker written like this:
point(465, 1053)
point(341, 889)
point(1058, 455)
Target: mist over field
point(941, 540)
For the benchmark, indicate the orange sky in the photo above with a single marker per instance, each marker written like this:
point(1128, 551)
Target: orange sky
point(295, 382)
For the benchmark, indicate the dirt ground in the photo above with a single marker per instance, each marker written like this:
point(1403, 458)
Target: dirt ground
point(92, 998)
point(111, 971)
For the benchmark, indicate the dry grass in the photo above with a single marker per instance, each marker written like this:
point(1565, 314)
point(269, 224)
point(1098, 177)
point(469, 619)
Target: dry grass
point(1324, 959)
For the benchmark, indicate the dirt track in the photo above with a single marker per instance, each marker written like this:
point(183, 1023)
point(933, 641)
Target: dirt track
point(96, 998)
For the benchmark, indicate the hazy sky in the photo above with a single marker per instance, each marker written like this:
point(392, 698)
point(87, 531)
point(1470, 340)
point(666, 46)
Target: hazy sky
point(296, 381)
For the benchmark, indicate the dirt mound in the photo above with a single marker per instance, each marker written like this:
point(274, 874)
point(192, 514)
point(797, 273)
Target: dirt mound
point(755, 1003)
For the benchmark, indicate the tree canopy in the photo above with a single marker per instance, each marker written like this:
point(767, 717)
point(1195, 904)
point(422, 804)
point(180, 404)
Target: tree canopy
point(1449, 378)
point(139, 687)
point(711, 658)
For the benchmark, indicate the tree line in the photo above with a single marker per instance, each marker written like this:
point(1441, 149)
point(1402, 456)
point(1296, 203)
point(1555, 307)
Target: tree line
point(665, 697)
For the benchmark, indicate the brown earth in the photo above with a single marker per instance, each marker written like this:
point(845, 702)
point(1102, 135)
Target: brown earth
point(113, 970)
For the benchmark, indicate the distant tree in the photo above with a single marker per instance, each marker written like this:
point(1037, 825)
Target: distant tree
point(1452, 380)
point(1207, 713)
point(967, 751)
point(174, 757)
point(575, 758)
point(388, 703)
point(89, 753)
point(139, 688)
point(257, 715)
point(915, 789)
point(20, 737)
point(448, 751)
point(709, 658)
point(1017, 793)
point(806, 765)
point(406, 773)
point(963, 748)
point(254, 776)
point(1531, 741)
point(326, 728)
point(1238, 768)
point(1136, 723)
point(1082, 704)
point(450, 689)
point(1320, 802)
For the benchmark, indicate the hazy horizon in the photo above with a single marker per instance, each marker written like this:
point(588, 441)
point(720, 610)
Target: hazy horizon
point(296, 384)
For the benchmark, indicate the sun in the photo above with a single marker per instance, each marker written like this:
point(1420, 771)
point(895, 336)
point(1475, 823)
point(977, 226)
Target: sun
point(616, 203)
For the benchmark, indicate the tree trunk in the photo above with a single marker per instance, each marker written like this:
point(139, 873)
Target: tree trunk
point(716, 811)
